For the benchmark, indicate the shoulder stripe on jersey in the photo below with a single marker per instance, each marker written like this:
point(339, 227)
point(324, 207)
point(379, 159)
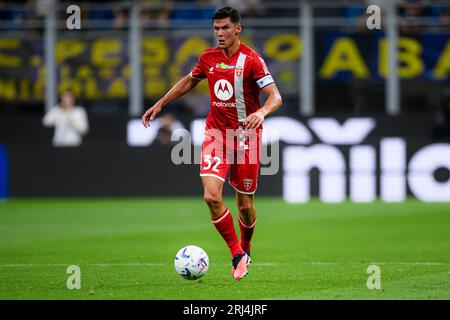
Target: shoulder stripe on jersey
point(239, 87)
point(195, 77)
point(265, 81)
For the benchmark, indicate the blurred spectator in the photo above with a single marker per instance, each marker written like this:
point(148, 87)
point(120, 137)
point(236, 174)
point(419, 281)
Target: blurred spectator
point(445, 18)
point(355, 15)
point(197, 104)
point(70, 122)
point(156, 11)
point(194, 10)
point(168, 124)
point(101, 16)
point(18, 13)
point(411, 12)
point(248, 8)
point(120, 18)
point(441, 128)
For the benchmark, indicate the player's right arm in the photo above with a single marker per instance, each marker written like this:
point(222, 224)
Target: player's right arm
point(182, 87)
point(50, 117)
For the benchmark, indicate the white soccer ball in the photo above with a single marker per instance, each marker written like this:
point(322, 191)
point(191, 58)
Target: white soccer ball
point(191, 262)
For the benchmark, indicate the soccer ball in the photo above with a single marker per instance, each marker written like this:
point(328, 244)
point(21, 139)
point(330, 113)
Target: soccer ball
point(191, 262)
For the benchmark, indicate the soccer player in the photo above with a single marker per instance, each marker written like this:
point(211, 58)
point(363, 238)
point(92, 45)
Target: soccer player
point(236, 74)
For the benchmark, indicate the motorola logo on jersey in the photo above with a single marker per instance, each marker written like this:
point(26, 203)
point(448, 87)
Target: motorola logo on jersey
point(223, 90)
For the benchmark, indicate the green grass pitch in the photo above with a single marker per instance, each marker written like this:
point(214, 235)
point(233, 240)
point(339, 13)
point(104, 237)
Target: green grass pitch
point(125, 250)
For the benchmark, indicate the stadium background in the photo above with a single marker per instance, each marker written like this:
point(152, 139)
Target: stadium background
point(385, 134)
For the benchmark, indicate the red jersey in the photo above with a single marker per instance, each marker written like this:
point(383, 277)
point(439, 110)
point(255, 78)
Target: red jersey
point(234, 84)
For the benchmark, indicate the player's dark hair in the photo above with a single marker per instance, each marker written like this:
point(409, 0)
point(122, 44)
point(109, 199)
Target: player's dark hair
point(227, 12)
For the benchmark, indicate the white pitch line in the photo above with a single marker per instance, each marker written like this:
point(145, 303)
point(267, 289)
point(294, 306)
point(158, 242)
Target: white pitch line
point(133, 264)
point(425, 263)
point(258, 264)
point(266, 264)
point(417, 263)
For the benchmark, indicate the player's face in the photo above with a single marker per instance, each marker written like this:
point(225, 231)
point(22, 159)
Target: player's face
point(226, 32)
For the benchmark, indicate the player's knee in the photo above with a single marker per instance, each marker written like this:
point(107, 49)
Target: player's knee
point(246, 208)
point(212, 199)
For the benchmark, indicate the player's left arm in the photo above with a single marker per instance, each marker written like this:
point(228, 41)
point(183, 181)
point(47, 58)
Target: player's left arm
point(78, 120)
point(272, 104)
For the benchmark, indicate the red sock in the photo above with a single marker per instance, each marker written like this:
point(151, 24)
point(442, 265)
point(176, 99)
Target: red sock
point(246, 235)
point(225, 225)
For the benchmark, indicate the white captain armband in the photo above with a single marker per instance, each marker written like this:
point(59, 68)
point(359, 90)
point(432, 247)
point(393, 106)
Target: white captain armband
point(265, 81)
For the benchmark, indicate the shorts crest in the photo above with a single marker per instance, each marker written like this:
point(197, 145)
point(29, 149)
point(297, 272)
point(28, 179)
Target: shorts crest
point(248, 183)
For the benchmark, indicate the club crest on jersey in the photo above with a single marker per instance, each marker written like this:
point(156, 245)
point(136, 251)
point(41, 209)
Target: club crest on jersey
point(239, 71)
point(224, 66)
point(223, 89)
point(248, 184)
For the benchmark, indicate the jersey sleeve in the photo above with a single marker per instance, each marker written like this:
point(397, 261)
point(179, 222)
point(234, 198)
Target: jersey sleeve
point(261, 73)
point(199, 69)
